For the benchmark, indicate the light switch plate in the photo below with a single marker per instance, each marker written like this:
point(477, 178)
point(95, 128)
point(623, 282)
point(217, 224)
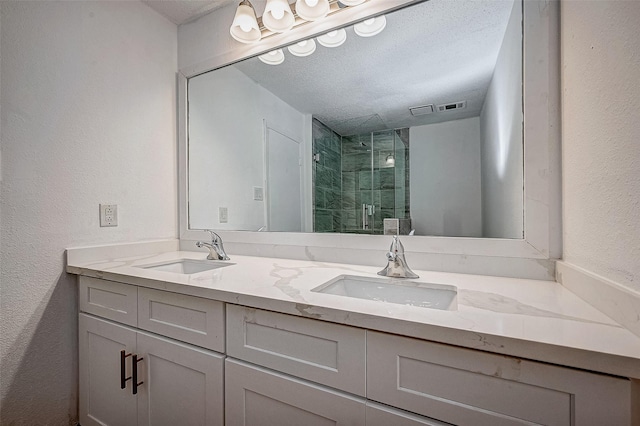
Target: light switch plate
point(258, 193)
point(223, 215)
point(108, 215)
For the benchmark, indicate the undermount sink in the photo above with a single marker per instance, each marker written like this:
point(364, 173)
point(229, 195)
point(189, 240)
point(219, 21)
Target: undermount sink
point(425, 295)
point(186, 266)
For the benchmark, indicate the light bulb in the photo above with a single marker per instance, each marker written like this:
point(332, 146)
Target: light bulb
point(333, 38)
point(245, 26)
point(275, 57)
point(302, 48)
point(312, 10)
point(370, 27)
point(277, 12)
point(390, 161)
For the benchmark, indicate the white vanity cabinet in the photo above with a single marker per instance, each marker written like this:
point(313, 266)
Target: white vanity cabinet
point(468, 387)
point(175, 382)
point(282, 369)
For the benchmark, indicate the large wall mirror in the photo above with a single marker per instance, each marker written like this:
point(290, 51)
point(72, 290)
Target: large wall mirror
point(417, 129)
point(444, 124)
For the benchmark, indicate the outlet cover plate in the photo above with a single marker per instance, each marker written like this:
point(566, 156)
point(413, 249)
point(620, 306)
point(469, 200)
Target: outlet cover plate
point(108, 215)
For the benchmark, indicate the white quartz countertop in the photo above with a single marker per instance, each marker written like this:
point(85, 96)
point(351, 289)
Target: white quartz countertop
point(538, 320)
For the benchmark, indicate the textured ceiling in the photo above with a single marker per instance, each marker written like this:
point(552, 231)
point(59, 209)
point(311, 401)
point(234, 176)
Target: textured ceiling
point(436, 52)
point(183, 11)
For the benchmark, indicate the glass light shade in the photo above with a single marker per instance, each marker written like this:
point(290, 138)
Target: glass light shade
point(333, 38)
point(390, 161)
point(303, 48)
point(312, 10)
point(370, 27)
point(245, 25)
point(278, 16)
point(351, 2)
point(275, 57)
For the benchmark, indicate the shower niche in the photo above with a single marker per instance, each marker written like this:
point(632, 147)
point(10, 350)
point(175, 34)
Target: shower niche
point(360, 180)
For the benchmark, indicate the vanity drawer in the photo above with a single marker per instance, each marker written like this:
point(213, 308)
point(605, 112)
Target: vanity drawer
point(330, 354)
point(257, 396)
point(109, 299)
point(468, 387)
point(187, 318)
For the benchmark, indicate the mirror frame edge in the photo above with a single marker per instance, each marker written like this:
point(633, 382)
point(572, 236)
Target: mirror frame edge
point(542, 161)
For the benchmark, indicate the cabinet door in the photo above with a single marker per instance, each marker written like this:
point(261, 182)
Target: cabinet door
point(102, 401)
point(183, 385)
point(259, 397)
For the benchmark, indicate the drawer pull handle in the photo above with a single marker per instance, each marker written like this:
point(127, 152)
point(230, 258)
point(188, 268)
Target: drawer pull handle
point(135, 362)
point(123, 370)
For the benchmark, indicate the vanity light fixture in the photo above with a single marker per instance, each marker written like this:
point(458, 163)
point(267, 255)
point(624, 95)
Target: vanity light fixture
point(303, 48)
point(333, 38)
point(370, 27)
point(312, 10)
point(245, 27)
point(275, 57)
point(278, 16)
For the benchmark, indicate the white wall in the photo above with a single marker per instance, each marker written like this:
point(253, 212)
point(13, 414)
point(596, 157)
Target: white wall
point(601, 138)
point(226, 146)
point(207, 37)
point(501, 139)
point(88, 116)
point(444, 161)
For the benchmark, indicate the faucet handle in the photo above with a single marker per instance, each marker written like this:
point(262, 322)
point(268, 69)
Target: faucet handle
point(396, 263)
point(396, 246)
point(214, 237)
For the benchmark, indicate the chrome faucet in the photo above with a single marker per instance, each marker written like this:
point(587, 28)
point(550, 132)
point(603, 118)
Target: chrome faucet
point(397, 266)
point(216, 249)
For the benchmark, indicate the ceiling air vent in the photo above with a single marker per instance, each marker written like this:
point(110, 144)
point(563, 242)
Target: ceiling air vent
point(452, 106)
point(421, 110)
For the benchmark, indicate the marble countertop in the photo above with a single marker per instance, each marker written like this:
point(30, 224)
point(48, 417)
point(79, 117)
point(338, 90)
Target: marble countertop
point(538, 320)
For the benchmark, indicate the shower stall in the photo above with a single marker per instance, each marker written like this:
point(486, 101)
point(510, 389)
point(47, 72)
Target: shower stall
point(359, 180)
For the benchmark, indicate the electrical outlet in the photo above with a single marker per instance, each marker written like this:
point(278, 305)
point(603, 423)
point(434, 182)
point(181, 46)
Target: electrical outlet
point(223, 215)
point(108, 215)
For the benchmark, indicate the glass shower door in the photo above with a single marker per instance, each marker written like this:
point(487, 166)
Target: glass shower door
point(383, 178)
point(359, 180)
point(358, 209)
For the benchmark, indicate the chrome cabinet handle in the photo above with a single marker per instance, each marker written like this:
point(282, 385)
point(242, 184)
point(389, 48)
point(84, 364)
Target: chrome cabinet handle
point(123, 370)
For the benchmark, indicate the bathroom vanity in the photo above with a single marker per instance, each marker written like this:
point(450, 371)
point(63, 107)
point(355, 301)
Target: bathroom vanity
point(250, 342)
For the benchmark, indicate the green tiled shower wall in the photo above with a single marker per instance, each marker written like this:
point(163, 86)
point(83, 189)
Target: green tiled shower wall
point(349, 173)
point(367, 178)
point(327, 180)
